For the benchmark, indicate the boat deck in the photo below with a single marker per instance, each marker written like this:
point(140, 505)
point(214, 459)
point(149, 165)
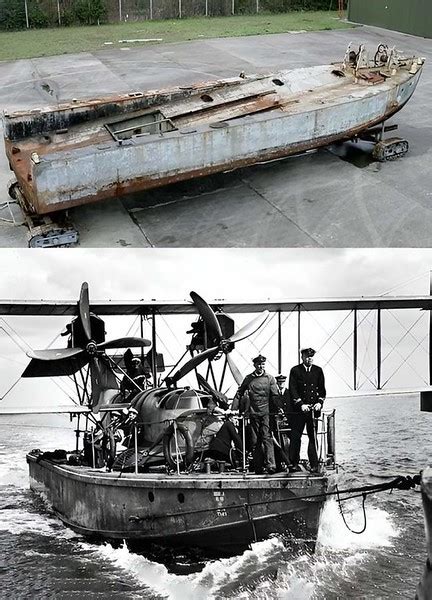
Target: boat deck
point(230, 479)
point(263, 97)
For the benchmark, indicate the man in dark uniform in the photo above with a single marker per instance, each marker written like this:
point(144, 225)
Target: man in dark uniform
point(280, 412)
point(256, 394)
point(135, 374)
point(307, 390)
point(224, 442)
point(284, 403)
point(221, 446)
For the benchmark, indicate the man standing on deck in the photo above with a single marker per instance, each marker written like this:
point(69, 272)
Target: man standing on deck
point(284, 403)
point(280, 414)
point(307, 391)
point(256, 394)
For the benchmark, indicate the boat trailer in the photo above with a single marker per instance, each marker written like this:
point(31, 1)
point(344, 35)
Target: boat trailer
point(384, 149)
point(44, 231)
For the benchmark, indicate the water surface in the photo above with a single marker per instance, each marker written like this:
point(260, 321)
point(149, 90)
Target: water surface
point(377, 438)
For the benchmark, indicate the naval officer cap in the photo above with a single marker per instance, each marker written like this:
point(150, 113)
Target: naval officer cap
point(259, 359)
point(280, 377)
point(308, 352)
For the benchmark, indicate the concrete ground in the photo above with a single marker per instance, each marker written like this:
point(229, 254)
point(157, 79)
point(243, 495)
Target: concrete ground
point(315, 200)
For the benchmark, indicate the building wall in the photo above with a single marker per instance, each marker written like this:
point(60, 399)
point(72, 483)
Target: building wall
point(409, 16)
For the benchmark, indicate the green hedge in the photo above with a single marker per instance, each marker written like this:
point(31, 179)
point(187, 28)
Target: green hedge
point(12, 14)
point(51, 13)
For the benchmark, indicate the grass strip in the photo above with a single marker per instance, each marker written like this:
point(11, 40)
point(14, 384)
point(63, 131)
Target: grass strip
point(69, 40)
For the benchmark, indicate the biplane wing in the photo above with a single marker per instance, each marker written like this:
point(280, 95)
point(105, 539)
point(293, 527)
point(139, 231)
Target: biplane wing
point(43, 410)
point(299, 307)
point(143, 307)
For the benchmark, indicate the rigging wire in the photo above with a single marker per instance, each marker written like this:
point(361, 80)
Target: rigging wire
point(25, 347)
point(393, 347)
point(367, 347)
point(10, 389)
point(404, 283)
point(406, 359)
point(262, 329)
point(339, 346)
point(168, 326)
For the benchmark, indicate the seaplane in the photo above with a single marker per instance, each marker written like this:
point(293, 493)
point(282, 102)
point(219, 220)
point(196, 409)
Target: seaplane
point(133, 493)
point(154, 408)
point(138, 471)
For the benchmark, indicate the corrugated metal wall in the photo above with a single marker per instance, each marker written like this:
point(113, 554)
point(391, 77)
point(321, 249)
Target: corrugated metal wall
point(409, 16)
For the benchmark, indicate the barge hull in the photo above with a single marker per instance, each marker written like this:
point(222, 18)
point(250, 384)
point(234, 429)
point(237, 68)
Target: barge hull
point(240, 124)
point(221, 512)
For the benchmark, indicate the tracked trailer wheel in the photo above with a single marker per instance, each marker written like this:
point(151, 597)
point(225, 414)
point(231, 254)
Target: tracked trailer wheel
point(390, 149)
point(43, 232)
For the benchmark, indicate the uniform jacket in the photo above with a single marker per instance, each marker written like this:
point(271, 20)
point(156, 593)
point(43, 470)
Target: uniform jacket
point(222, 440)
point(262, 392)
point(308, 386)
point(283, 402)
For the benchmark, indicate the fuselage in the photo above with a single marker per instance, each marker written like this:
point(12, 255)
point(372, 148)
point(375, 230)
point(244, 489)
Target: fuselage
point(158, 407)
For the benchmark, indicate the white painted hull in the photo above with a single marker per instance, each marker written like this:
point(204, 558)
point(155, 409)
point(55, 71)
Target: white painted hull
point(246, 122)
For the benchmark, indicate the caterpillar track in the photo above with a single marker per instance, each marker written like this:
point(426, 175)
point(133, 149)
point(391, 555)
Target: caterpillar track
point(43, 231)
point(390, 149)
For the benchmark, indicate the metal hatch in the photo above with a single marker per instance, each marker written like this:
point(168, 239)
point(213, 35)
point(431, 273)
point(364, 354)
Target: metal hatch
point(142, 125)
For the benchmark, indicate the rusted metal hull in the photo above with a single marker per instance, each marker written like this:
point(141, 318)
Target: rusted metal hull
point(97, 150)
point(221, 512)
point(424, 590)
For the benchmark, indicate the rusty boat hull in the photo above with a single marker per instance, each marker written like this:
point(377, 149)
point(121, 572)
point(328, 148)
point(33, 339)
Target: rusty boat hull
point(86, 151)
point(220, 513)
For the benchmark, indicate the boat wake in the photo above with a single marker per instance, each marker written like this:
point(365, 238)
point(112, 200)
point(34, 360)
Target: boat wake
point(13, 473)
point(333, 535)
point(269, 570)
point(18, 521)
point(225, 577)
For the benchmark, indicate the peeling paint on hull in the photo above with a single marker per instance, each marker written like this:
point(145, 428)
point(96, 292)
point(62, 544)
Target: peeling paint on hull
point(111, 147)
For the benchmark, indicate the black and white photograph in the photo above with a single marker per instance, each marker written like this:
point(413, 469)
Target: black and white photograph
point(229, 423)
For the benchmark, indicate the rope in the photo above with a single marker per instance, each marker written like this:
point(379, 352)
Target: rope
point(343, 516)
point(251, 521)
point(12, 220)
point(401, 482)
